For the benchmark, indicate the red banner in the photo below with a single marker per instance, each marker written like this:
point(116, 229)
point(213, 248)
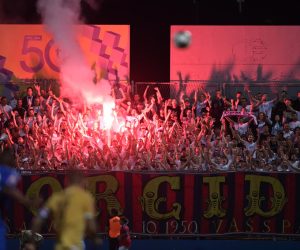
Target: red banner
point(181, 204)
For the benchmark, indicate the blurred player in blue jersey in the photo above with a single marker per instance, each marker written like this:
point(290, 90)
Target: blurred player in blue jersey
point(9, 178)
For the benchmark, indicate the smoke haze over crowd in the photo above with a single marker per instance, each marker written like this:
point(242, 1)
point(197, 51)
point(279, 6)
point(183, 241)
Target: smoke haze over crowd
point(62, 19)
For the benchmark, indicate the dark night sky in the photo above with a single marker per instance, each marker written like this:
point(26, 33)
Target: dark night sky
point(150, 21)
point(168, 11)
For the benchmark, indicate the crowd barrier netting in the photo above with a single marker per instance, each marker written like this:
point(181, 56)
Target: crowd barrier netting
point(172, 89)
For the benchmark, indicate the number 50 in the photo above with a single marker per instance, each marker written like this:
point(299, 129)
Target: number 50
point(39, 53)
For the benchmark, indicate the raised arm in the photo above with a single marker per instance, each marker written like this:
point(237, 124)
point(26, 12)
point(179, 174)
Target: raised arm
point(196, 96)
point(258, 135)
point(145, 94)
point(158, 95)
point(226, 101)
point(231, 122)
point(251, 98)
point(167, 118)
point(38, 89)
point(128, 108)
point(52, 111)
point(9, 137)
point(181, 100)
point(274, 100)
point(61, 106)
point(236, 135)
point(147, 109)
point(14, 119)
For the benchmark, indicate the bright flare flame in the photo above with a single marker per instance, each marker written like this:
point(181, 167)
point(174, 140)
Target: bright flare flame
point(102, 94)
point(108, 116)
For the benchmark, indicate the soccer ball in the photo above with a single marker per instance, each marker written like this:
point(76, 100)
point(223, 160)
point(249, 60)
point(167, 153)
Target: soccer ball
point(182, 39)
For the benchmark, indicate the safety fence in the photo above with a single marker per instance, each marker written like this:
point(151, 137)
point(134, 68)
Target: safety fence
point(171, 89)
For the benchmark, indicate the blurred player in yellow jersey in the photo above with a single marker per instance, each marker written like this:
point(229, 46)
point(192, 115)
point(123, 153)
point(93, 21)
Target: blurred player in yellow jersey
point(73, 212)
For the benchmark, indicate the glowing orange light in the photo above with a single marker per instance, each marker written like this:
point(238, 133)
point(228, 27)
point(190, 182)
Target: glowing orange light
point(108, 117)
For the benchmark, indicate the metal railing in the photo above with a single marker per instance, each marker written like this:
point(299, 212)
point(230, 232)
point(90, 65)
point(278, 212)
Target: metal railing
point(172, 88)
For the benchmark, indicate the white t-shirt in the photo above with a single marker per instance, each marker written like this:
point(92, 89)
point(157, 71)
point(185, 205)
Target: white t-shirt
point(251, 147)
point(266, 107)
point(295, 165)
point(178, 164)
point(200, 106)
point(276, 128)
point(294, 124)
point(288, 135)
point(241, 128)
point(30, 120)
point(226, 166)
point(6, 108)
point(260, 126)
point(13, 103)
point(246, 109)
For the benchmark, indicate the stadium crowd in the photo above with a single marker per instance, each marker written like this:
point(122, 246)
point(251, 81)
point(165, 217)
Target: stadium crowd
point(205, 132)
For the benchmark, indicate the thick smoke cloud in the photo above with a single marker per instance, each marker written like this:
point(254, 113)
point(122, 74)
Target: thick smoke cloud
point(61, 18)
